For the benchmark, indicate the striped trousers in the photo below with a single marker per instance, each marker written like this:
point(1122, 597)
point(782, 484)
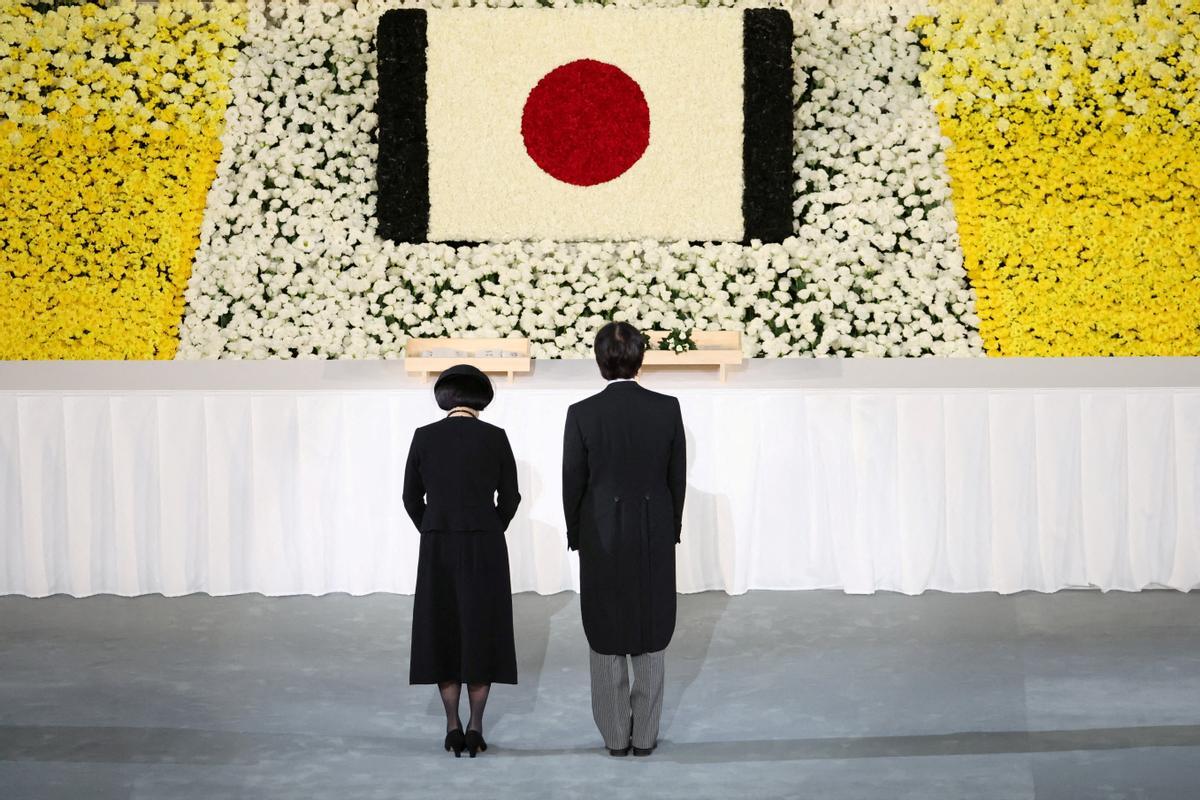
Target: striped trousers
point(625, 713)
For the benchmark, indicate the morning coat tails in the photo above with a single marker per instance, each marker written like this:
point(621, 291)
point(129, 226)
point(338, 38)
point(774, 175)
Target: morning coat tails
point(624, 477)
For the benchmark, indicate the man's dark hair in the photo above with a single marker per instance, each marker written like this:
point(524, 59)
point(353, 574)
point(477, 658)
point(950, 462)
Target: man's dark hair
point(619, 350)
point(462, 390)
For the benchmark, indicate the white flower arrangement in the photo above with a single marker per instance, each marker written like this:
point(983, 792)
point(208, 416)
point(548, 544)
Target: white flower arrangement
point(290, 263)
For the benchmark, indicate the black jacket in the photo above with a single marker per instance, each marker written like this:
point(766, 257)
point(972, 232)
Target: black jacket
point(461, 476)
point(624, 479)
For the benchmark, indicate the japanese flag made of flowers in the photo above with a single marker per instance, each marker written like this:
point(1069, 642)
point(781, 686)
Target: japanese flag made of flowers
point(585, 124)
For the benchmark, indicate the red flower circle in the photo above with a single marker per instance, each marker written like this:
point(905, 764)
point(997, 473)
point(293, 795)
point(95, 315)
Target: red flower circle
point(586, 122)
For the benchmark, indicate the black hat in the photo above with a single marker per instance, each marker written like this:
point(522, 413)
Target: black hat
point(463, 385)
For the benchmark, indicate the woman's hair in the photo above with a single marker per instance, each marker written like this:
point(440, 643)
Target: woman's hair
point(472, 391)
point(619, 350)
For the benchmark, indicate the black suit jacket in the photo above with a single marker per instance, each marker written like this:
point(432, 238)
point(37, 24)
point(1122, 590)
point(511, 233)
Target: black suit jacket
point(461, 476)
point(624, 479)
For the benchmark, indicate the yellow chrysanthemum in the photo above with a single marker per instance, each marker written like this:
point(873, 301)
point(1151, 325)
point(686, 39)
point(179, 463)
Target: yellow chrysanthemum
point(1074, 167)
point(110, 140)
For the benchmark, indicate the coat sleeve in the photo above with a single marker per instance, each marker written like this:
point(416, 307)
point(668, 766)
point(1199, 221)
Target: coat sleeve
point(677, 470)
point(507, 495)
point(574, 477)
point(414, 487)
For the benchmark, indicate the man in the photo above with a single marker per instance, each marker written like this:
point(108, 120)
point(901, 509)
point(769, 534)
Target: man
point(624, 476)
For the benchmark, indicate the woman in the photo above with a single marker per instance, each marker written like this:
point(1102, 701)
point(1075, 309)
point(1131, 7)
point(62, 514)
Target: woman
point(460, 488)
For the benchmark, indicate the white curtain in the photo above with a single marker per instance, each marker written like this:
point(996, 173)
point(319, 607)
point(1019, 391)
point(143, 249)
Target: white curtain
point(298, 492)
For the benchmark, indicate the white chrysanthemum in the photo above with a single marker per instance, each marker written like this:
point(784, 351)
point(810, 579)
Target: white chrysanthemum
point(290, 263)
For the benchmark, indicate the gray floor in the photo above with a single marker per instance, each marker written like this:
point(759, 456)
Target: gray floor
point(769, 695)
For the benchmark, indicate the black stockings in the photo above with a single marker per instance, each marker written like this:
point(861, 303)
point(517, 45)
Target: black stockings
point(450, 693)
point(477, 695)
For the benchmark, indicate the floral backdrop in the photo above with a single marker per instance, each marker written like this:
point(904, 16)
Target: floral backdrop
point(1075, 170)
point(1056, 139)
point(108, 145)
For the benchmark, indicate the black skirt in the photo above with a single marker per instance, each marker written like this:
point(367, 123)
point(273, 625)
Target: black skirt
point(462, 628)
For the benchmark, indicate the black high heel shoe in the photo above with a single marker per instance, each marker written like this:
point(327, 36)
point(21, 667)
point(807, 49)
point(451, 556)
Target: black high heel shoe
point(457, 742)
point(475, 743)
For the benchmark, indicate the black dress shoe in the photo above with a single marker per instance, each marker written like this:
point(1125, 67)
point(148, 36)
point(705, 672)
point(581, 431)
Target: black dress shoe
point(475, 743)
point(622, 752)
point(456, 741)
point(644, 751)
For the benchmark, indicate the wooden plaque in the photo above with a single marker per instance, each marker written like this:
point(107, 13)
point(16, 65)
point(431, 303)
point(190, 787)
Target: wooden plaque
point(714, 349)
point(427, 357)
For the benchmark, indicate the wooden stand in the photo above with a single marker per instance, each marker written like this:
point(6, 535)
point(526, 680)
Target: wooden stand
point(427, 357)
point(715, 349)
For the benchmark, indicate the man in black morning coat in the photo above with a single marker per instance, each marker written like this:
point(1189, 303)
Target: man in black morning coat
point(624, 476)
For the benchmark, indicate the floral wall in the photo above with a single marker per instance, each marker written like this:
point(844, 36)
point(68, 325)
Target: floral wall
point(1075, 170)
point(108, 146)
point(198, 181)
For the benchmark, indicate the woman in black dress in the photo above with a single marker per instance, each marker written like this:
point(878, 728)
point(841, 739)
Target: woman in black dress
point(460, 488)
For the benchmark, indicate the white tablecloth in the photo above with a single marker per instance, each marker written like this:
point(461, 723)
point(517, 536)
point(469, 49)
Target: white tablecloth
point(284, 477)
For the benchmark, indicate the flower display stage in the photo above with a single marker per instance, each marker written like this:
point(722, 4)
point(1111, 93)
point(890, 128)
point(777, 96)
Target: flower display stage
point(828, 177)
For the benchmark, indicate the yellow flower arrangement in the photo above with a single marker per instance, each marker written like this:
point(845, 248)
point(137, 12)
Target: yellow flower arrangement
point(1075, 169)
point(112, 117)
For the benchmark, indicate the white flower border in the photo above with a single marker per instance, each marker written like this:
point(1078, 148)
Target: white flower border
point(290, 265)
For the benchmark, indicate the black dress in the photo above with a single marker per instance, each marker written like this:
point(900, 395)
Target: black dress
point(460, 488)
point(624, 479)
